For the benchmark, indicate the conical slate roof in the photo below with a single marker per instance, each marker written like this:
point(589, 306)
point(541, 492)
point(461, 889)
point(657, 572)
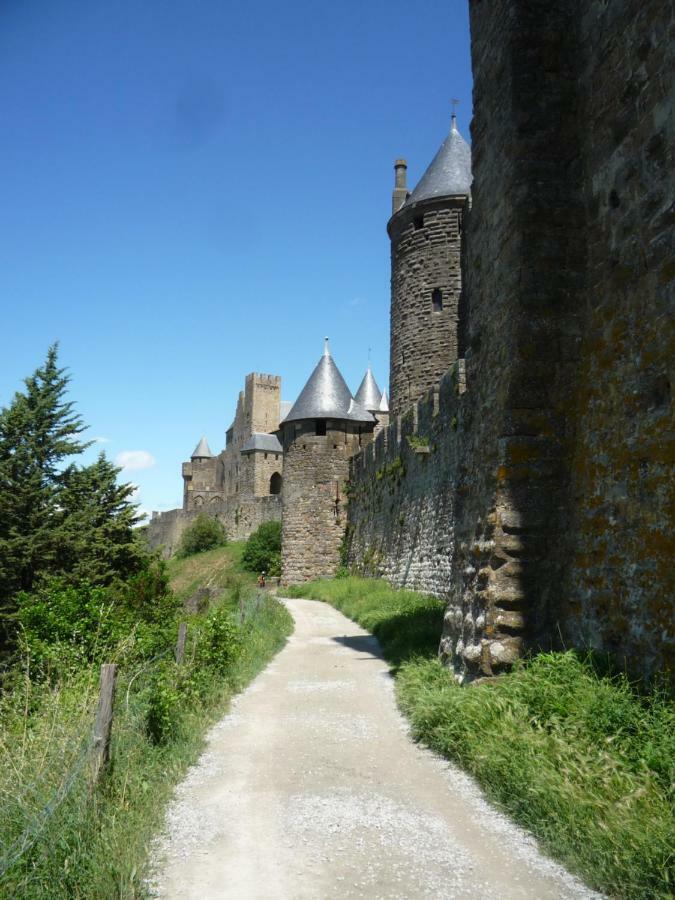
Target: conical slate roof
point(326, 396)
point(384, 403)
point(202, 450)
point(449, 173)
point(368, 395)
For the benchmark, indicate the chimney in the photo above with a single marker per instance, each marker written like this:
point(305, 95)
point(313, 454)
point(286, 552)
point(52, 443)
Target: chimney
point(400, 193)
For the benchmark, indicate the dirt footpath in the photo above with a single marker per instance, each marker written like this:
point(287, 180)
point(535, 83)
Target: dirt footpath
point(311, 788)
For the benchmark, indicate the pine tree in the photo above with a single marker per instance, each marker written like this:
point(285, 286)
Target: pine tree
point(97, 516)
point(38, 432)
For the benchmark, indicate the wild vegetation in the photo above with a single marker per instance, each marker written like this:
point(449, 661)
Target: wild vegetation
point(569, 749)
point(80, 588)
point(58, 520)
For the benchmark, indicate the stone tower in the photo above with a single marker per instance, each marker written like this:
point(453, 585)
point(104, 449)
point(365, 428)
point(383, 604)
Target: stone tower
point(324, 428)
point(425, 231)
point(199, 477)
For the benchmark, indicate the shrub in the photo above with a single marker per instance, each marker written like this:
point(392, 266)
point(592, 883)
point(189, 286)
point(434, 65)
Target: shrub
point(164, 710)
point(221, 642)
point(263, 549)
point(63, 627)
point(205, 533)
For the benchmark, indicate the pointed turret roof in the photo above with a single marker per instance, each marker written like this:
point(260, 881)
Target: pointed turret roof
point(449, 173)
point(384, 403)
point(326, 396)
point(368, 395)
point(202, 450)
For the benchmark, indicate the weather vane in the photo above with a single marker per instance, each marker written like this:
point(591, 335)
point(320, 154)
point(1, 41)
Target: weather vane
point(454, 106)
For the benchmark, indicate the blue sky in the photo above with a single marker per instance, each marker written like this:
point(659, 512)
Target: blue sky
point(196, 189)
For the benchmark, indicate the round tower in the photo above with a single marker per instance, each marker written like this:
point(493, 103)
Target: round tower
point(425, 231)
point(324, 428)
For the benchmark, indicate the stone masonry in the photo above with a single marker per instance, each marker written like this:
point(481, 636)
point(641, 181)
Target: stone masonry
point(316, 468)
point(425, 289)
point(531, 487)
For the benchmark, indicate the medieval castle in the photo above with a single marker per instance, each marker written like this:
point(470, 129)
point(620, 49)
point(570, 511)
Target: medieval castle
point(525, 475)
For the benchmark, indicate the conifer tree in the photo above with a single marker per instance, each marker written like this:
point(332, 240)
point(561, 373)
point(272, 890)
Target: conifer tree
point(38, 432)
point(97, 516)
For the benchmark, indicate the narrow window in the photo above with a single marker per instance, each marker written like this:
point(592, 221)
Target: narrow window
point(275, 483)
point(437, 300)
point(265, 456)
point(321, 427)
point(418, 222)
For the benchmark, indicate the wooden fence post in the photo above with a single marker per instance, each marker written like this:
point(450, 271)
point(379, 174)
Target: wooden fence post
point(180, 643)
point(104, 717)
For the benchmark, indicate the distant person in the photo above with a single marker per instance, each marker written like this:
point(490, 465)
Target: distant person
point(261, 580)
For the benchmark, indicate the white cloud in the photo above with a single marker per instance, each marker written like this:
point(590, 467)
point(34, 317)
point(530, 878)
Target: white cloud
point(133, 460)
point(101, 440)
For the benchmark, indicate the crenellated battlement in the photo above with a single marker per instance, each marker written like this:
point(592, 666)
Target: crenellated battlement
point(427, 418)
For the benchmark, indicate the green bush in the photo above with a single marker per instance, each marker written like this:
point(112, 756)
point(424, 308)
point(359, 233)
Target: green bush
point(205, 533)
point(221, 640)
point(64, 627)
point(263, 550)
point(163, 714)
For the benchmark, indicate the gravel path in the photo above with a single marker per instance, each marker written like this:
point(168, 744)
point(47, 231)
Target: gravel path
point(311, 788)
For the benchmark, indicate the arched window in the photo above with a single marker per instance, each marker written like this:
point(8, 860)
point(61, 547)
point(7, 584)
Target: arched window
point(437, 300)
point(275, 483)
point(199, 500)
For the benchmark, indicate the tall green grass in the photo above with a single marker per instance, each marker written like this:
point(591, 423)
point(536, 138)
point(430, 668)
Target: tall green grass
point(579, 758)
point(93, 843)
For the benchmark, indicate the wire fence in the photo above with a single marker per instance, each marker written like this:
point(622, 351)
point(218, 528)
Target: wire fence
point(81, 771)
point(89, 758)
point(12, 854)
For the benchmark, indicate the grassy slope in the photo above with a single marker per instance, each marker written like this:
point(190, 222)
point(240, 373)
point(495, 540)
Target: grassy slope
point(96, 846)
point(579, 759)
point(217, 568)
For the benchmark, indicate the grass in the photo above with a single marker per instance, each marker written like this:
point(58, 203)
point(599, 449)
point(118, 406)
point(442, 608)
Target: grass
point(574, 754)
point(219, 568)
point(95, 842)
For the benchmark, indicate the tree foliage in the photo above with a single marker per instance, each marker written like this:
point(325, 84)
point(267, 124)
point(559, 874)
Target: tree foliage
point(57, 519)
point(96, 521)
point(204, 533)
point(38, 432)
point(263, 549)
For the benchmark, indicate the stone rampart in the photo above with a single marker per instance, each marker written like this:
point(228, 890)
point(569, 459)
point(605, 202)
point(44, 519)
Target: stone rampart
point(240, 517)
point(401, 496)
point(536, 502)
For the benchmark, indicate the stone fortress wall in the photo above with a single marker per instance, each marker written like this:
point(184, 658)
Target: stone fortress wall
point(526, 473)
point(239, 515)
point(530, 487)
